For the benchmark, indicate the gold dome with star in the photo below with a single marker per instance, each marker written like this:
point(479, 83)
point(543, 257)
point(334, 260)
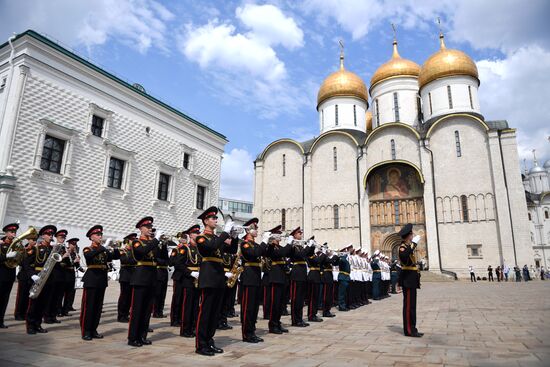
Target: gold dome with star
point(342, 83)
point(446, 62)
point(394, 68)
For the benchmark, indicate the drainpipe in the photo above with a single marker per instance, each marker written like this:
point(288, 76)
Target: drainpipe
point(443, 271)
point(359, 193)
point(8, 83)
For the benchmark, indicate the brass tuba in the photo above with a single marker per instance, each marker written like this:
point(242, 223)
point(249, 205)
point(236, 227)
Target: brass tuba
point(236, 270)
point(18, 247)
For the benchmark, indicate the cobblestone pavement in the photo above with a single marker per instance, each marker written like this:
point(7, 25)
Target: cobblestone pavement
point(480, 324)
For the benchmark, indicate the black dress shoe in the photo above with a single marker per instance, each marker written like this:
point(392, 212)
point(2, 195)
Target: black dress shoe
point(188, 335)
point(205, 352)
point(283, 329)
point(419, 334)
point(299, 324)
point(216, 349)
point(56, 321)
point(150, 330)
point(341, 309)
point(97, 335)
point(258, 339)
point(305, 323)
point(135, 343)
point(250, 340)
point(146, 341)
point(175, 324)
point(315, 319)
point(3, 326)
point(415, 335)
point(31, 331)
point(224, 327)
point(275, 331)
point(87, 337)
point(123, 319)
point(329, 315)
point(40, 330)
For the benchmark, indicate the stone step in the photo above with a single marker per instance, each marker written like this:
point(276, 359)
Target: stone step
point(429, 276)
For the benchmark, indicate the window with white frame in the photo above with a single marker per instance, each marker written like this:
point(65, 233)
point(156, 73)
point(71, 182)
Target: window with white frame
point(53, 151)
point(201, 196)
point(187, 157)
point(117, 174)
point(165, 184)
point(474, 251)
point(98, 124)
point(186, 160)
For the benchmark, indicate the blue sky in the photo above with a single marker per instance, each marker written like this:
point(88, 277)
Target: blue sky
point(251, 70)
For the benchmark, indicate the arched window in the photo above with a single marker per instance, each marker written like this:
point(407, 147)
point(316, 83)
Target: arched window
point(396, 106)
point(377, 112)
point(335, 158)
point(546, 214)
point(336, 216)
point(457, 143)
point(392, 149)
point(529, 216)
point(283, 219)
point(471, 100)
point(430, 100)
point(284, 165)
point(450, 97)
point(336, 115)
point(354, 115)
point(464, 202)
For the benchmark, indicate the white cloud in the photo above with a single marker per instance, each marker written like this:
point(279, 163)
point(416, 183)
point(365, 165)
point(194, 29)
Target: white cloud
point(270, 26)
point(237, 176)
point(517, 89)
point(243, 67)
point(141, 24)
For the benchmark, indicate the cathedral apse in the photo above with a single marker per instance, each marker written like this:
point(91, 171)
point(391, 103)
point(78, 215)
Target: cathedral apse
point(395, 194)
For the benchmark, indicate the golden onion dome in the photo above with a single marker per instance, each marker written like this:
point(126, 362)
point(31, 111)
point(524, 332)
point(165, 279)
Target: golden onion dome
point(446, 62)
point(368, 118)
point(395, 67)
point(342, 83)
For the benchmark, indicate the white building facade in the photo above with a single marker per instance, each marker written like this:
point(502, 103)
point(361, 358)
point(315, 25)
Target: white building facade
point(418, 150)
point(79, 146)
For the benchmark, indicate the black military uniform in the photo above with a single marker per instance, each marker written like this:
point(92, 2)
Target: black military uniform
point(314, 263)
point(34, 263)
point(327, 280)
point(409, 280)
point(57, 276)
point(143, 283)
point(277, 259)
point(211, 283)
point(161, 285)
point(127, 264)
point(298, 281)
point(251, 280)
point(70, 265)
point(24, 283)
point(95, 282)
point(228, 299)
point(7, 275)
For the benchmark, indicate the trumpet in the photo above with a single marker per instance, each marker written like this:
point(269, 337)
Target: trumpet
point(240, 229)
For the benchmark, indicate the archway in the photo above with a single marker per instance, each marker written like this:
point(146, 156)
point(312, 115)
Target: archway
point(395, 191)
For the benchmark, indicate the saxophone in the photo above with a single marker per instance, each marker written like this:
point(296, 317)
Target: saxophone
point(44, 274)
point(236, 270)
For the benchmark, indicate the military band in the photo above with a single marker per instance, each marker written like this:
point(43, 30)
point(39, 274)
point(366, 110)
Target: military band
point(207, 270)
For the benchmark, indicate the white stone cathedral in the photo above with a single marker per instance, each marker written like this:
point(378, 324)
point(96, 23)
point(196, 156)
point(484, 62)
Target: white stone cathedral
point(424, 155)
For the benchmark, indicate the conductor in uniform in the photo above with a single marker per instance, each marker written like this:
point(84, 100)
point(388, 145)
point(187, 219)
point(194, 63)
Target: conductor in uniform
point(211, 279)
point(409, 279)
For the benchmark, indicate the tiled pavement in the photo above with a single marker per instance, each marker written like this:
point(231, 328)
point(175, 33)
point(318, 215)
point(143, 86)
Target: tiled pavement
point(481, 324)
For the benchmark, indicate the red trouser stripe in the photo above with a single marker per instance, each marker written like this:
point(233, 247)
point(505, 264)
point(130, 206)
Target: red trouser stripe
point(83, 312)
point(199, 321)
point(182, 321)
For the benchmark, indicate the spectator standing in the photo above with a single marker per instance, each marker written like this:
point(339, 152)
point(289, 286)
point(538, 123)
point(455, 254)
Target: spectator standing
point(506, 272)
point(472, 274)
point(490, 273)
point(497, 270)
point(518, 273)
point(526, 275)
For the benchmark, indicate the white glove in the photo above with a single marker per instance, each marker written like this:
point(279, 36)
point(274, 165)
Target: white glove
point(108, 242)
point(158, 233)
point(289, 240)
point(416, 239)
point(11, 254)
point(265, 237)
point(195, 274)
point(311, 243)
point(228, 226)
point(35, 278)
point(324, 251)
point(229, 275)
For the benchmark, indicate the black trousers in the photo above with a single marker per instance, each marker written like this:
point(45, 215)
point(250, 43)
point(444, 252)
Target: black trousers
point(328, 296)
point(55, 300)
point(224, 309)
point(124, 300)
point(409, 311)
point(140, 311)
point(188, 309)
point(37, 307)
point(275, 305)
point(473, 277)
point(297, 294)
point(90, 310)
point(5, 290)
point(266, 301)
point(250, 306)
point(313, 302)
point(208, 317)
point(160, 297)
point(176, 304)
point(68, 297)
point(491, 279)
point(22, 300)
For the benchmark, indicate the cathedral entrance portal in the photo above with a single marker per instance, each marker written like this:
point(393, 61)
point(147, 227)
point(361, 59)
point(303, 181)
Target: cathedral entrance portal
point(395, 192)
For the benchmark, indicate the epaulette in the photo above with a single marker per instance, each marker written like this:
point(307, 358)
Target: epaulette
point(174, 252)
point(86, 249)
point(201, 239)
point(136, 243)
